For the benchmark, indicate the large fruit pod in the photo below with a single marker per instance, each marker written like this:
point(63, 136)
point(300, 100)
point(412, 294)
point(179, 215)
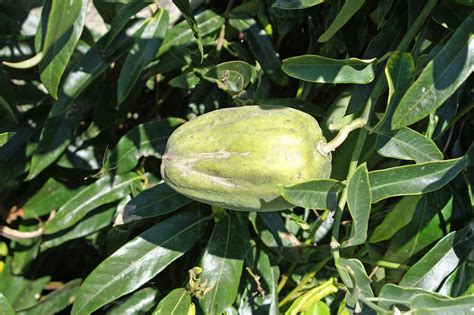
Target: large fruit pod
point(238, 158)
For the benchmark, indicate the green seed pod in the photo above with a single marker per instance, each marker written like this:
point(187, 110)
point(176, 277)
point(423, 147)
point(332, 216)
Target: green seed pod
point(238, 158)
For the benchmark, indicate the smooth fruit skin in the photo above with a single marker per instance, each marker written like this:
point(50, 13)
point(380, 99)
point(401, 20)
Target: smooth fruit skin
point(238, 158)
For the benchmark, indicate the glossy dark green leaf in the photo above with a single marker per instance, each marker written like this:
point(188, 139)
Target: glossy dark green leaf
point(24, 251)
point(52, 195)
point(347, 11)
point(318, 194)
point(358, 200)
point(7, 95)
point(181, 34)
point(66, 112)
point(123, 17)
point(352, 273)
point(148, 39)
point(425, 227)
point(137, 303)
point(20, 291)
point(296, 4)
point(139, 260)
point(414, 179)
point(439, 79)
point(430, 271)
point(426, 305)
point(222, 264)
point(407, 144)
point(5, 306)
point(185, 8)
point(5, 137)
point(396, 219)
point(232, 76)
point(63, 30)
point(153, 202)
point(314, 68)
point(400, 74)
point(450, 14)
point(261, 47)
point(54, 301)
point(92, 222)
point(270, 274)
point(105, 190)
point(176, 302)
point(147, 139)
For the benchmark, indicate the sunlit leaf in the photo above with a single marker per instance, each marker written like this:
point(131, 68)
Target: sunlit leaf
point(347, 11)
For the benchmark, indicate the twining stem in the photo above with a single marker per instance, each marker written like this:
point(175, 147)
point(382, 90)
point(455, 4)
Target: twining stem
point(385, 264)
point(16, 235)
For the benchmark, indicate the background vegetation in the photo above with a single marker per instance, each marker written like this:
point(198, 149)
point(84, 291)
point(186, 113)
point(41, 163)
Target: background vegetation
point(87, 107)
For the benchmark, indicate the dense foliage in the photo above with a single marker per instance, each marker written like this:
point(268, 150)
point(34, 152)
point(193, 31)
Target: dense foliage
point(90, 91)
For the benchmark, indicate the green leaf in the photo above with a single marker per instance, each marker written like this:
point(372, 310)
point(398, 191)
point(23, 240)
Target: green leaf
point(352, 273)
point(139, 302)
point(430, 271)
point(5, 306)
point(182, 35)
point(414, 179)
point(54, 302)
point(187, 80)
point(176, 302)
point(459, 281)
point(52, 195)
point(185, 8)
point(318, 69)
point(20, 291)
point(295, 4)
point(396, 219)
point(5, 137)
point(92, 222)
point(154, 202)
point(393, 295)
point(232, 76)
point(138, 261)
point(147, 139)
point(407, 144)
point(347, 11)
point(439, 79)
point(358, 200)
point(67, 112)
point(105, 190)
point(400, 73)
point(261, 47)
point(427, 226)
point(318, 194)
point(148, 39)
point(63, 30)
point(222, 264)
point(427, 305)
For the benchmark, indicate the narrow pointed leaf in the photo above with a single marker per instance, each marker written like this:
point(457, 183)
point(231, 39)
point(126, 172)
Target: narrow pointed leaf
point(181, 34)
point(347, 11)
point(154, 202)
point(54, 302)
point(261, 47)
point(139, 302)
point(318, 194)
point(400, 73)
point(439, 79)
point(414, 179)
point(105, 190)
point(354, 276)
point(148, 40)
point(430, 271)
point(318, 69)
point(407, 144)
point(426, 305)
point(185, 8)
point(396, 219)
point(64, 27)
point(138, 261)
point(222, 264)
point(177, 302)
point(147, 139)
point(296, 4)
point(392, 294)
point(358, 200)
point(5, 137)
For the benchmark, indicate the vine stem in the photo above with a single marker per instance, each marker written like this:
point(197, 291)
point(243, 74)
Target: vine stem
point(16, 235)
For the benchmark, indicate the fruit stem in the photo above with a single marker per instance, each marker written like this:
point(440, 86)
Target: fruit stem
point(326, 148)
